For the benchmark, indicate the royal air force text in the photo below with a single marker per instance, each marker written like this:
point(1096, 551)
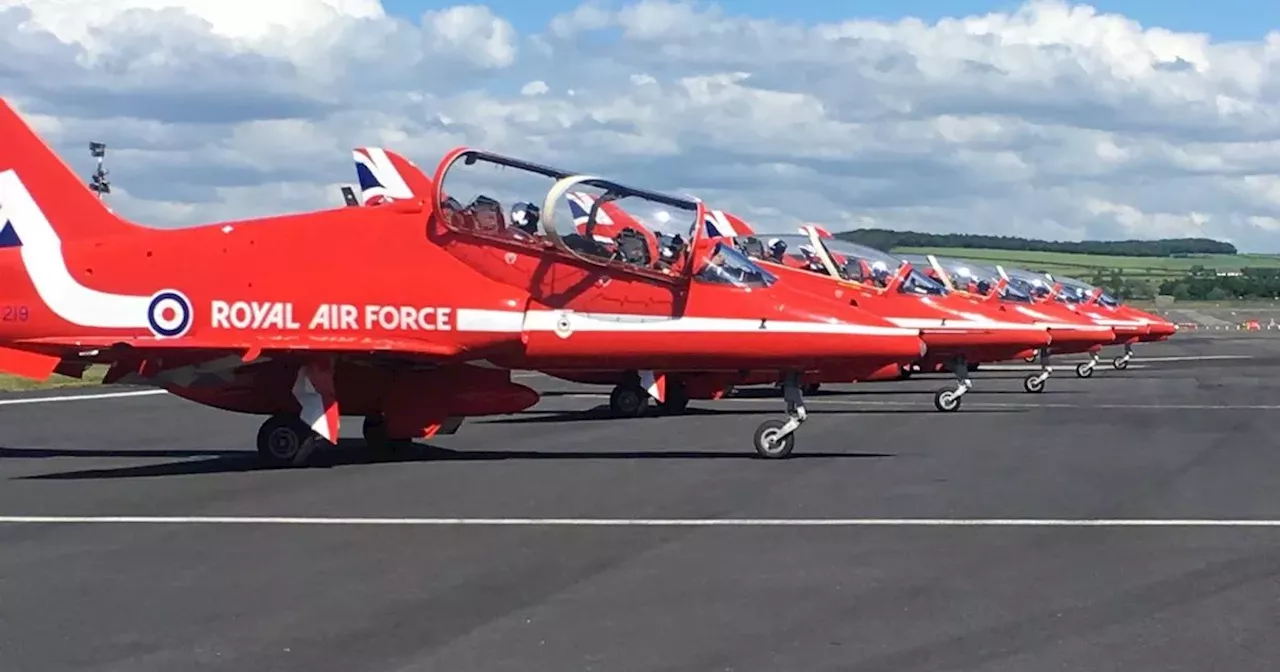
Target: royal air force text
point(329, 317)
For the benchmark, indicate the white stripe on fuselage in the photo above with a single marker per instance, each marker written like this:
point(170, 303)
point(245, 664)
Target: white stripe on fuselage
point(948, 323)
point(42, 255)
point(557, 320)
point(568, 321)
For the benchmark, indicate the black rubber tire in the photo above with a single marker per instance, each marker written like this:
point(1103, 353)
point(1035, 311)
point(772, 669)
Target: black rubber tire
point(764, 448)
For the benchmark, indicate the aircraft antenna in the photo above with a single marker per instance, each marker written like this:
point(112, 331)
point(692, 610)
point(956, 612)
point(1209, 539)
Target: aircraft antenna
point(99, 185)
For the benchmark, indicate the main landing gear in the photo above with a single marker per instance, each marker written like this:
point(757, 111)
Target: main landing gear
point(629, 400)
point(285, 439)
point(948, 399)
point(1034, 383)
point(775, 439)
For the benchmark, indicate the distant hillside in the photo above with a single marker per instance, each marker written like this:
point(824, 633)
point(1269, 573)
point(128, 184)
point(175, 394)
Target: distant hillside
point(885, 239)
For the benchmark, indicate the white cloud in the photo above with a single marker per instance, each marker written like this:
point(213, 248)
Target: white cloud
point(1055, 120)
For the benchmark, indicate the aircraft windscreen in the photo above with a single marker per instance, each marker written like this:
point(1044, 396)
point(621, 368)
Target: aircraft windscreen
point(727, 265)
point(593, 218)
point(1074, 291)
point(788, 249)
point(923, 278)
point(861, 263)
point(1030, 284)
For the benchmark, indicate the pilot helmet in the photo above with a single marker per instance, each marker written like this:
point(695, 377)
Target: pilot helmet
point(777, 247)
point(524, 216)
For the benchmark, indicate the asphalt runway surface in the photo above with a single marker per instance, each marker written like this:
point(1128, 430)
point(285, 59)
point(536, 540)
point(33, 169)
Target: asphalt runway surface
point(1185, 434)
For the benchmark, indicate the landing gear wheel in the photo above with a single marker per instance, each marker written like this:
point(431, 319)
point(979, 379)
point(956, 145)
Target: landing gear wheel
point(946, 400)
point(1120, 363)
point(284, 439)
point(628, 401)
point(375, 433)
point(1033, 383)
point(767, 443)
point(1084, 370)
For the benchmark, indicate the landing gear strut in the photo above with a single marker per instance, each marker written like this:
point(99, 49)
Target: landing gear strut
point(775, 439)
point(1085, 369)
point(1122, 362)
point(1034, 383)
point(286, 440)
point(948, 399)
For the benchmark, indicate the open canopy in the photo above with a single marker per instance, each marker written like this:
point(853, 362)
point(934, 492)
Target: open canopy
point(1079, 291)
point(590, 217)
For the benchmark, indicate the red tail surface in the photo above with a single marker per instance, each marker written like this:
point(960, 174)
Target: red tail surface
point(31, 173)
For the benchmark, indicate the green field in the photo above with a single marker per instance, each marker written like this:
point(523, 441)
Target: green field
point(93, 376)
point(1084, 266)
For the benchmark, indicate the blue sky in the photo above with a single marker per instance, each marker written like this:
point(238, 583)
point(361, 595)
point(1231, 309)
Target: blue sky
point(1224, 19)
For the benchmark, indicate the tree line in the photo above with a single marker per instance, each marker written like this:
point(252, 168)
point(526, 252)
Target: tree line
point(1199, 284)
point(887, 239)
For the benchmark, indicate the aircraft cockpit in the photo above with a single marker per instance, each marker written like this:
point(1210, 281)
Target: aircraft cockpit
point(1034, 286)
point(728, 265)
point(592, 218)
point(1078, 291)
point(787, 249)
point(870, 266)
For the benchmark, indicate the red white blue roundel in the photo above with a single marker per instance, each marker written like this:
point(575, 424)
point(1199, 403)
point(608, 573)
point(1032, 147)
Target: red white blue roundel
point(169, 313)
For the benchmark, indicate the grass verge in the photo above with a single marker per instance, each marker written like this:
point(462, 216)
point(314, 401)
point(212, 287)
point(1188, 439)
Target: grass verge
point(92, 376)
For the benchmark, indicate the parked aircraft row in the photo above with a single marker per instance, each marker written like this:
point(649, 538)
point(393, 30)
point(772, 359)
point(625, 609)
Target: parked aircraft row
point(412, 309)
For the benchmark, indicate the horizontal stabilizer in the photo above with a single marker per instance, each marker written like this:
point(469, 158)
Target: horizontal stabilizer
point(26, 364)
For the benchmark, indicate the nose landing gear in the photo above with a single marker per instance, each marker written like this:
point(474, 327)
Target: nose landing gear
point(775, 439)
point(948, 399)
point(1034, 383)
point(1122, 362)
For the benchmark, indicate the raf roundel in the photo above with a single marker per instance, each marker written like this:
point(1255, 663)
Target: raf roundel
point(169, 313)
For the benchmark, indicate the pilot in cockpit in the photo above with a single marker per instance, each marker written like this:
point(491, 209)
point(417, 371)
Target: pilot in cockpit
point(812, 261)
point(488, 214)
point(777, 249)
point(880, 273)
point(524, 217)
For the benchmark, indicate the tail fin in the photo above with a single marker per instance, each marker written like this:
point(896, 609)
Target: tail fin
point(32, 177)
point(387, 176)
point(721, 224)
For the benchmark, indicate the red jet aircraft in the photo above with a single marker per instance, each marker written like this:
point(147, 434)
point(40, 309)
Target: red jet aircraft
point(961, 331)
point(1072, 333)
point(250, 316)
point(638, 299)
point(1130, 324)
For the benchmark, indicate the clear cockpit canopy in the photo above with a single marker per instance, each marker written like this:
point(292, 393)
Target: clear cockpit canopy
point(1027, 285)
point(1079, 291)
point(594, 218)
point(850, 261)
point(727, 265)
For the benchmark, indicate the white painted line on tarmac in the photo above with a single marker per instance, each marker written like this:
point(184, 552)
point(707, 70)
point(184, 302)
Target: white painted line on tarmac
point(647, 522)
point(80, 397)
point(1187, 358)
point(970, 404)
point(1027, 367)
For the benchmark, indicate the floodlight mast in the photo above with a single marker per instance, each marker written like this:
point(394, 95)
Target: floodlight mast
point(99, 185)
